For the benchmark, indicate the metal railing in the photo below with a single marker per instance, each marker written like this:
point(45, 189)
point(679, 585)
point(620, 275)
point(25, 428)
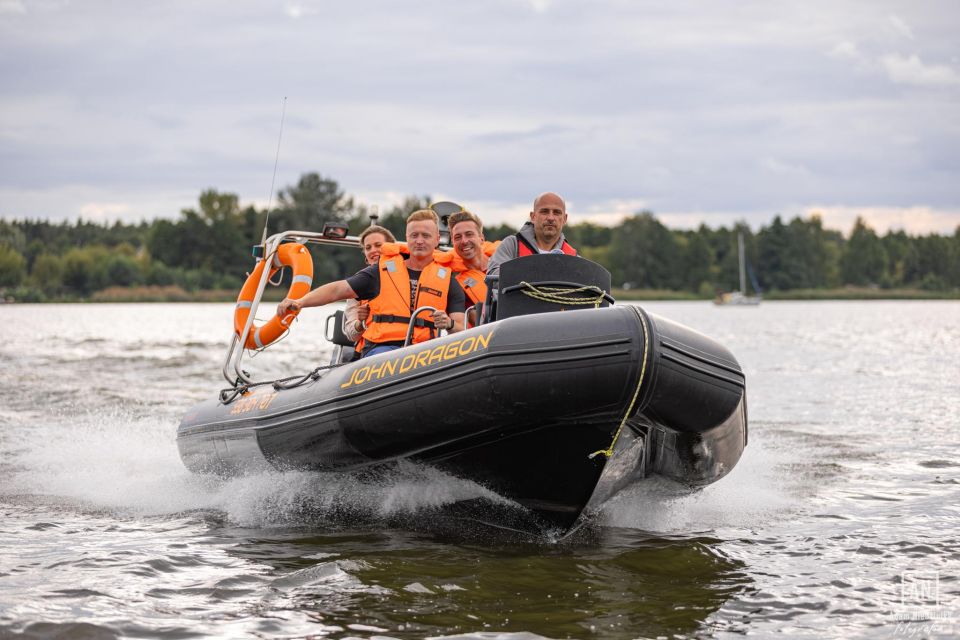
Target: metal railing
point(232, 370)
point(413, 321)
point(231, 366)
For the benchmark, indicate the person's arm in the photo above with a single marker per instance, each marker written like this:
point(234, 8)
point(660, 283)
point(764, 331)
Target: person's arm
point(452, 318)
point(352, 325)
point(452, 322)
point(506, 251)
point(325, 294)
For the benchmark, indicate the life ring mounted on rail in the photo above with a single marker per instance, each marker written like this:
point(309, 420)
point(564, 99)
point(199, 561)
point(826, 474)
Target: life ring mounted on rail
point(291, 255)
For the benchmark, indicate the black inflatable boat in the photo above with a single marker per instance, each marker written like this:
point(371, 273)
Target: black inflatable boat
point(556, 402)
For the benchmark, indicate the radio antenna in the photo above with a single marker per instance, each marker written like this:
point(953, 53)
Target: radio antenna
point(273, 181)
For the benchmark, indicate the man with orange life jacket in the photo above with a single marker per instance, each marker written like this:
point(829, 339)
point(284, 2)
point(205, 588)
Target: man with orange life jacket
point(402, 281)
point(469, 256)
point(543, 233)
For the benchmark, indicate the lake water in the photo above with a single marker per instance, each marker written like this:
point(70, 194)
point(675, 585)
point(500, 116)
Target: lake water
point(841, 520)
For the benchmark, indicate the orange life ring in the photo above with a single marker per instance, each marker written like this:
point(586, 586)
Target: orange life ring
point(290, 255)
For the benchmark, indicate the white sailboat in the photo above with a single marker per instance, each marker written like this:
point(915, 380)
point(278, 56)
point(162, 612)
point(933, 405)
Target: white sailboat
point(739, 297)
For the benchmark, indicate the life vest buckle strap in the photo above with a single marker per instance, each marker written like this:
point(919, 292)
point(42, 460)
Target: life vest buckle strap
point(404, 320)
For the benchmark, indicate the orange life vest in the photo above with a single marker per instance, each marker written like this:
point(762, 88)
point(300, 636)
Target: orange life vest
point(390, 310)
point(470, 279)
point(358, 346)
point(526, 249)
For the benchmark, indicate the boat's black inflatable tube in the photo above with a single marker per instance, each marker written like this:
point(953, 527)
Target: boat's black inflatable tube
point(518, 405)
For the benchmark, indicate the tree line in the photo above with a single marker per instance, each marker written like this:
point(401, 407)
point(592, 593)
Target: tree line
point(208, 247)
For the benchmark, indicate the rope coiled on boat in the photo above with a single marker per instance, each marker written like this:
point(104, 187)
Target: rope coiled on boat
point(608, 452)
point(561, 295)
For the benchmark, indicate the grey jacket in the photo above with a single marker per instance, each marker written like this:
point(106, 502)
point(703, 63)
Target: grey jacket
point(509, 249)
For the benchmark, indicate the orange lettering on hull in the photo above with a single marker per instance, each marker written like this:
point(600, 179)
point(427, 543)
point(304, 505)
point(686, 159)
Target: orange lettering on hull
point(418, 360)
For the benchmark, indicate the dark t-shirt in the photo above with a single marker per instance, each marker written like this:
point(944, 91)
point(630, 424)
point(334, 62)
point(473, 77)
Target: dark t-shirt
point(366, 284)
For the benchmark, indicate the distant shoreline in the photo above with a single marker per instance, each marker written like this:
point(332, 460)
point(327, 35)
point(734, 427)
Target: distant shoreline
point(177, 294)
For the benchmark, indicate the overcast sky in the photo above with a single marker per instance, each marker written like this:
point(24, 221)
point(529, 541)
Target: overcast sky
point(701, 111)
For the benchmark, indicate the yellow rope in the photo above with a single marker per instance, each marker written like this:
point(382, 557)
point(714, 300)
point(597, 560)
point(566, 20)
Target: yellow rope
point(608, 452)
point(560, 295)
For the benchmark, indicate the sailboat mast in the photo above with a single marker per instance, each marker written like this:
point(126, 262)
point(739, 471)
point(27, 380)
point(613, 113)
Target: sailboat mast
point(743, 264)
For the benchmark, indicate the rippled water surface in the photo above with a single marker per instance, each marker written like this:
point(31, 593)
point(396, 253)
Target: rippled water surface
point(841, 520)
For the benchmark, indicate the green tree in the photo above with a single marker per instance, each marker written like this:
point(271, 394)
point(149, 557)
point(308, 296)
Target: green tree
point(587, 234)
point(162, 242)
point(307, 206)
point(795, 255)
point(121, 271)
point(217, 238)
point(696, 260)
point(498, 232)
point(807, 255)
point(219, 207)
point(313, 201)
point(901, 257)
point(725, 270)
point(13, 267)
point(600, 255)
point(773, 256)
point(12, 236)
point(864, 260)
point(158, 273)
point(79, 270)
point(933, 262)
point(645, 254)
point(953, 273)
point(833, 245)
point(47, 273)
point(184, 243)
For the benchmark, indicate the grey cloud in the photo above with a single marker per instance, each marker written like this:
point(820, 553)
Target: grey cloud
point(683, 105)
point(546, 131)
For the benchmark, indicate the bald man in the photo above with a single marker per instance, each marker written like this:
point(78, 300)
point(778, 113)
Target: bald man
point(543, 233)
